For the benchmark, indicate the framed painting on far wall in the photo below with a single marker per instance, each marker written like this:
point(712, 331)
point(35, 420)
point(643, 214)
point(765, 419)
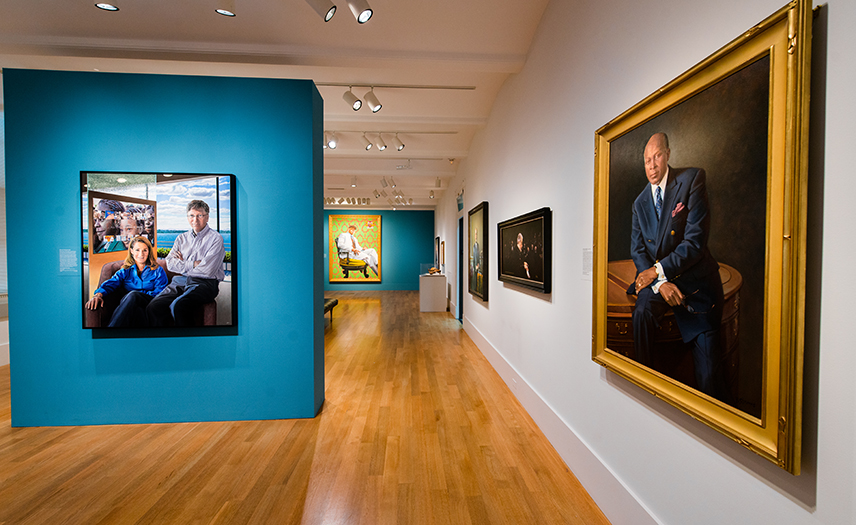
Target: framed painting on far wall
point(354, 246)
point(478, 250)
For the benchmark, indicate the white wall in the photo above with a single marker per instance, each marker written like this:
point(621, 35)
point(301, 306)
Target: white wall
point(642, 460)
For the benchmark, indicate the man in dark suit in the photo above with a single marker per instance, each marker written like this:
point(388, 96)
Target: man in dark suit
point(674, 268)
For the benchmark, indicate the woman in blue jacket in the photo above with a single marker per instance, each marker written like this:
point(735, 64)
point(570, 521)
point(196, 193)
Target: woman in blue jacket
point(141, 276)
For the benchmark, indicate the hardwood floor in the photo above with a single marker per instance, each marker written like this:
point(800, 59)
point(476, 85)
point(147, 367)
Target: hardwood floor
point(416, 428)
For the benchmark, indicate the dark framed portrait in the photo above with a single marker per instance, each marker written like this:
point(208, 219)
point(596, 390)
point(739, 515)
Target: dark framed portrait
point(699, 227)
point(437, 252)
point(478, 251)
point(525, 247)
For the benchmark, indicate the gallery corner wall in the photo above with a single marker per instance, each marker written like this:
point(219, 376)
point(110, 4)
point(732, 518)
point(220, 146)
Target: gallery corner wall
point(407, 241)
point(267, 133)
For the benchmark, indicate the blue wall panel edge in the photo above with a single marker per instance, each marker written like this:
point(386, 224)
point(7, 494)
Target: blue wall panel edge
point(261, 130)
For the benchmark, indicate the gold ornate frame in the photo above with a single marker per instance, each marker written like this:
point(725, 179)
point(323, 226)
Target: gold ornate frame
point(776, 435)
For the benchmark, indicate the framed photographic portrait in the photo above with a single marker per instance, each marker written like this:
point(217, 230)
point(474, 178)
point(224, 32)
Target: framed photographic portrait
point(525, 250)
point(700, 216)
point(124, 213)
point(477, 251)
point(354, 246)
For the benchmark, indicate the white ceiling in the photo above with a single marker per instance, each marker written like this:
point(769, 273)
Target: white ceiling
point(471, 44)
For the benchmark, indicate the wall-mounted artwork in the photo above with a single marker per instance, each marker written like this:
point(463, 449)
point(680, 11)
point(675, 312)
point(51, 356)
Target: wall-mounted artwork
point(478, 250)
point(525, 250)
point(355, 248)
point(699, 230)
point(158, 250)
point(437, 253)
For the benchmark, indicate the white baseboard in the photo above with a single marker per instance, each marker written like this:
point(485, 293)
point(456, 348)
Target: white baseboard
point(615, 500)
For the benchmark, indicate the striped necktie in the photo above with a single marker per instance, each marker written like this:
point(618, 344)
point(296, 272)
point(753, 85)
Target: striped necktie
point(658, 201)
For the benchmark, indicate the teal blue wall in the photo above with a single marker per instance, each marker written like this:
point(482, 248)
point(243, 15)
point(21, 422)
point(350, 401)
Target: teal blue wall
point(407, 239)
point(265, 132)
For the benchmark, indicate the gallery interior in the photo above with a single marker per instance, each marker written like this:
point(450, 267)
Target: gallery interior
point(400, 117)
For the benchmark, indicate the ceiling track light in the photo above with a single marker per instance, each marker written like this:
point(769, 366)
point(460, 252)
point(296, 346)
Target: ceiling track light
point(368, 145)
point(437, 183)
point(362, 11)
point(325, 8)
point(226, 8)
point(383, 192)
point(354, 182)
point(392, 182)
point(376, 194)
point(374, 103)
point(352, 99)
point(332, 142)
point(381, 145)
point(397, 143)
point(106, 7)
point(383, 182)
point(431, 194)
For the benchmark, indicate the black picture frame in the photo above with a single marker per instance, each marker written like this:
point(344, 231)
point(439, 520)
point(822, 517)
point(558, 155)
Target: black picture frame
point(523, 262)
point(161, 220)
point(478, 249)
point(437, 252)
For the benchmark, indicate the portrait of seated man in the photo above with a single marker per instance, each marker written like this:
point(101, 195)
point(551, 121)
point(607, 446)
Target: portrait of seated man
point(197, 256)
point(675, 271)
point(348, 246)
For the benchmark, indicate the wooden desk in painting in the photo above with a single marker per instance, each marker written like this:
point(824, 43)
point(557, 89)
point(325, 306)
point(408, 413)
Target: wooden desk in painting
point(675, 357)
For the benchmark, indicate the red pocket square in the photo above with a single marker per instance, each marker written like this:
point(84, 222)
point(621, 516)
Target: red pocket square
point(678, 209)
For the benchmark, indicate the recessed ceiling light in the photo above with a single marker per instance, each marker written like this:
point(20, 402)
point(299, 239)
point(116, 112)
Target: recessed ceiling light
point(106, 7)
point(226, 8)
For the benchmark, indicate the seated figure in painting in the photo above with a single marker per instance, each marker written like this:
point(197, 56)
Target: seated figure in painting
point(349, 247)
point(675, 270)
point(141, 277)
point(197, 256)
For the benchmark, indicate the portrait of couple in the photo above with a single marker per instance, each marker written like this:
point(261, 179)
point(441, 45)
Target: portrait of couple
point(157, 250)
point(147, 297)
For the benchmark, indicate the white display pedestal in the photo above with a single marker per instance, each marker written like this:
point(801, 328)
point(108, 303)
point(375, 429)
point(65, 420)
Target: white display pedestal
point(432, 293)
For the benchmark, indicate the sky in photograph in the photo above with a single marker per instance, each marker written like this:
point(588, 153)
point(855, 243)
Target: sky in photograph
point(172, 201)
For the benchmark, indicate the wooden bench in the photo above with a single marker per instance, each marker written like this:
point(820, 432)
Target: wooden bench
point(329, 303)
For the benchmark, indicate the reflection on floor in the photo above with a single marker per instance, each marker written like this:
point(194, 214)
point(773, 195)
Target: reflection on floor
point(416, 428)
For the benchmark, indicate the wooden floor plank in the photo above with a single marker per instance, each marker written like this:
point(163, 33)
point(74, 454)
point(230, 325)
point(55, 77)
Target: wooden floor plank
point(417, 428)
